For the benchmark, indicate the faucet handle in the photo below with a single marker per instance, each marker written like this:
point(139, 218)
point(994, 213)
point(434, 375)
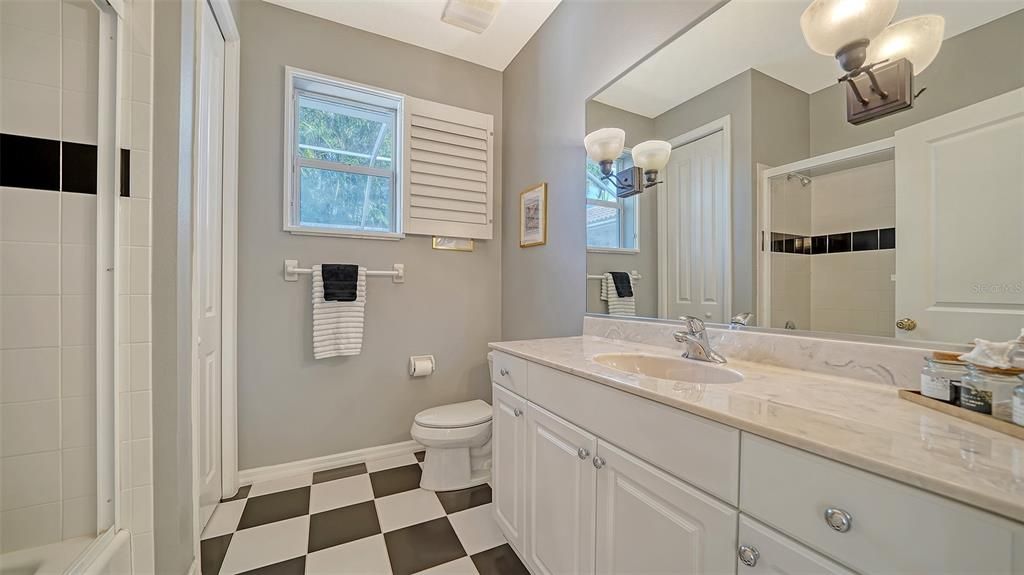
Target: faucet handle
point(692, 325)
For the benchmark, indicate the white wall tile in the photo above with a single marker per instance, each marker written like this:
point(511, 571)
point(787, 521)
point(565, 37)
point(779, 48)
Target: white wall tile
point(142, 466)
point(78, 218)
point(29, 269)
point(78, 320)
point(140, 163)
point(79, 116)
point(142, 26)
point(78, 269)
point(78, 421)
point(142, 553)
point(81, 21)
point(38, 15)
point(29, 56)
point(29, 527)
point(29, 374)
point(28, 480)
point(124, 219)
point(124, 262)
point(80, 68)
point(78, 472)
point(29, 215)
point(142, 87)
point(142, 509)
point(124, 367)
point(140, 234)
point(29, 427)
point(140, 318)
point(29, 109)
point(126, 472)
point(141, 364)
point(141, 122)
point(29, 321)
point(126, 501)
point(141, 420)
point(124, 325)
point(140, 271)
point(126, 121)
point(79, 517)
point(78, 371)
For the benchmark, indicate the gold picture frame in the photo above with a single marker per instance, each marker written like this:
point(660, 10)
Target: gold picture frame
point(453, 244)
point(533, 216)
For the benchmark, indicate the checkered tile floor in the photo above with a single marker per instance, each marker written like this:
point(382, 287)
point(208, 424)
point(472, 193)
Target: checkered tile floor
point(368, 518)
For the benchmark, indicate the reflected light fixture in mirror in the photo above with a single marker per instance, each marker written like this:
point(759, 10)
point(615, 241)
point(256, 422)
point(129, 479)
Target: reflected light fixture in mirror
point(472, 15)
point(604, 146)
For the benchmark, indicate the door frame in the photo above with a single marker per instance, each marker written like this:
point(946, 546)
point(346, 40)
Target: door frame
point(764, 214)
point(229, 262)
point(724, 125)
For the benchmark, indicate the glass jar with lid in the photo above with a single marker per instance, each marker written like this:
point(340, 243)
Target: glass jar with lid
point(990, 391)
point(940, 378)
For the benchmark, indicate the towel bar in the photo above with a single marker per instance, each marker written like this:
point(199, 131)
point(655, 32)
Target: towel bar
point(292, 271)
point(634, 274)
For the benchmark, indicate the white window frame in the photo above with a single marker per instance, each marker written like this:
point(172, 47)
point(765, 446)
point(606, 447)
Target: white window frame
point(619, 205)
point(298, 81)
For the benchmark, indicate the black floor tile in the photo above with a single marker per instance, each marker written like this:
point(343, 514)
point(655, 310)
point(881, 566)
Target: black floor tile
point(339, 473)
point(342, 525)
point(29, 162)
point(501, 560)
point(212, 552)
point(420, 455)
point(395, 480)
point(295, 566)
point(887, 239)
point(78, 168)
point(243, 492)
point(463, 499)
point(274, 507)
point(423, 546)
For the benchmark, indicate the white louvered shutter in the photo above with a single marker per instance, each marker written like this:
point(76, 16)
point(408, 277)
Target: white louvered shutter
point(449, 175)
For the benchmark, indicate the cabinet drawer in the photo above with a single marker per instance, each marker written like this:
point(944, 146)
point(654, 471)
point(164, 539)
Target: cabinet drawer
point(893, 528)
point(772, 552)
point(702, 452)
point(509, 372)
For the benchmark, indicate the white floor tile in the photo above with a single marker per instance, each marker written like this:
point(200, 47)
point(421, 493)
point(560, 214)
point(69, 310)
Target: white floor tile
point(281, 484)
point(407, 508)
point(224, 519)
point(461, 566)
point(266, 545)
point(366, 555)
point(340, 493)
point(390, 462)
point(477, 529)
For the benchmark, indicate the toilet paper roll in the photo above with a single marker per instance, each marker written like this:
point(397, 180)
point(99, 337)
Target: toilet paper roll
point(421, 365)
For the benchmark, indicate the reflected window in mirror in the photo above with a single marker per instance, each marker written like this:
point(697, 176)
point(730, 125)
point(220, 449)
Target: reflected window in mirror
point(612, 222)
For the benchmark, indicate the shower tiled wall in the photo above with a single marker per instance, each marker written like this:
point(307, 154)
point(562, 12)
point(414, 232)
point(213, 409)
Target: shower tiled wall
point(48, 102)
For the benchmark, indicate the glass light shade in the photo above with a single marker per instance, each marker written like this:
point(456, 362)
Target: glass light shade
point(605, 144)
point(917, 39)
point(828, 25)
point(651, 155)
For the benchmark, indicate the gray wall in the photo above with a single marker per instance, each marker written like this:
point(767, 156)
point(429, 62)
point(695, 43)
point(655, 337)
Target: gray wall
point(971, 67)
point(638, 129)
point(546, 87)
point(290, 406)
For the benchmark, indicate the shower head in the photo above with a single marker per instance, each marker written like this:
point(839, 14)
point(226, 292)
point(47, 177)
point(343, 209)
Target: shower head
point(804, 180)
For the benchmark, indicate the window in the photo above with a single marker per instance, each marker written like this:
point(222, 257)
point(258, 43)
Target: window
point(344, 152)
point(612, 222)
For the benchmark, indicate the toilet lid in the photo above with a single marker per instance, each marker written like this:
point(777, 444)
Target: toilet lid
point(455, 415)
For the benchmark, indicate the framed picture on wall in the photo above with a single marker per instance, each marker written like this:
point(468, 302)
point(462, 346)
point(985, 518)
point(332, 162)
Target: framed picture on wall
point(533, 216)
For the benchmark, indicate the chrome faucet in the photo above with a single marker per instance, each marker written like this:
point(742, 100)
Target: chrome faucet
point(695, 336)
point(741, 320)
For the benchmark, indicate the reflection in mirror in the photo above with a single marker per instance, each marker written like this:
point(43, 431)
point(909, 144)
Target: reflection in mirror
point(784, 200)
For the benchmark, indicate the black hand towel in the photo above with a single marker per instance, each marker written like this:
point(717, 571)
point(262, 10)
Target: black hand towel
point(340, 281)
point(623, 284)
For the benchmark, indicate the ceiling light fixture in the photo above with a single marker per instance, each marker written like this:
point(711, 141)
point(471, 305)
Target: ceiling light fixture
point(604, 146)
point(880, 60)
point(472, 15)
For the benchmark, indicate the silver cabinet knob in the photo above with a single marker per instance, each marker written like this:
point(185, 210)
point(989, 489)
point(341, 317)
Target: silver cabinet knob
point(504, 372)
point(583, 452)
point(748, 555)
point(517, 412)
point(598, 462)
point(838, 519)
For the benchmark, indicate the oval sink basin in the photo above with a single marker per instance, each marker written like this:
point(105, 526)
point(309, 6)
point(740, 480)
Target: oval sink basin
point(669, 368)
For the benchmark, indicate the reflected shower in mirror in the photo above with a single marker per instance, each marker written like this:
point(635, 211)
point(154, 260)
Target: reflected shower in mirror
point(787, 203)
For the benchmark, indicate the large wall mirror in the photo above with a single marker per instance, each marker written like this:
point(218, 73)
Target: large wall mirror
point(781, 207)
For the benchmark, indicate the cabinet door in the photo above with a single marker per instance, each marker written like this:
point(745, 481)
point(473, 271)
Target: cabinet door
point(650, 522)
point(560, 484)
point(508, 463)
point(764, 551)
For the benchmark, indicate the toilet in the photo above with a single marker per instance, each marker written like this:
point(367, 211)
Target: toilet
point(458, 441)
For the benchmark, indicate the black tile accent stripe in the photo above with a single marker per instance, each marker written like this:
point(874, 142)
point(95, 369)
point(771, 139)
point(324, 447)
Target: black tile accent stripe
point(78, 168)
point(861, 240)
point(29, 162)
point(126, 173)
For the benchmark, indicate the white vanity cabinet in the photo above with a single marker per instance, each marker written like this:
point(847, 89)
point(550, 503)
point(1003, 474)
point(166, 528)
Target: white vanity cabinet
point(764, 551)
point(508, 463)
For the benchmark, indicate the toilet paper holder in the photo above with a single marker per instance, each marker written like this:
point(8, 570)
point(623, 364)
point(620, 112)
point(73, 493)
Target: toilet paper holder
point(421, 365)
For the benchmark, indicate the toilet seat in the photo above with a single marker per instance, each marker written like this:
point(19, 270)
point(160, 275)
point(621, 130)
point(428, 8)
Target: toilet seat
point(455, 415)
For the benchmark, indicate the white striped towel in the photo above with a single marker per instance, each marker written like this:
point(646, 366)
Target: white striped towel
point(337, 325)
point(617, 305)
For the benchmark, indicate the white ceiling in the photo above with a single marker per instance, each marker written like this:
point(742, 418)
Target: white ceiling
point(764, 35)
point(418, 22)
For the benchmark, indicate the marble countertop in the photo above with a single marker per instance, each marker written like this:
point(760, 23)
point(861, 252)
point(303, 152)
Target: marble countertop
point(862, 424)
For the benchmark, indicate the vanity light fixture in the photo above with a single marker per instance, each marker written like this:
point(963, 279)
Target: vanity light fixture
point(472, 15)
point(604, 146)
point(879, 60)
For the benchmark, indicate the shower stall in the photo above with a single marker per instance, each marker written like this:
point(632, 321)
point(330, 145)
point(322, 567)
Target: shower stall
point(65, 249)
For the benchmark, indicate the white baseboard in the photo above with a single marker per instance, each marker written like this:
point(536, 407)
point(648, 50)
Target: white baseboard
point(257, 474)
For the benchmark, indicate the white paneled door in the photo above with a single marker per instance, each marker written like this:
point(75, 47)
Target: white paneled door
point(959, 208)
point(693, 271)
point(208, 264)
